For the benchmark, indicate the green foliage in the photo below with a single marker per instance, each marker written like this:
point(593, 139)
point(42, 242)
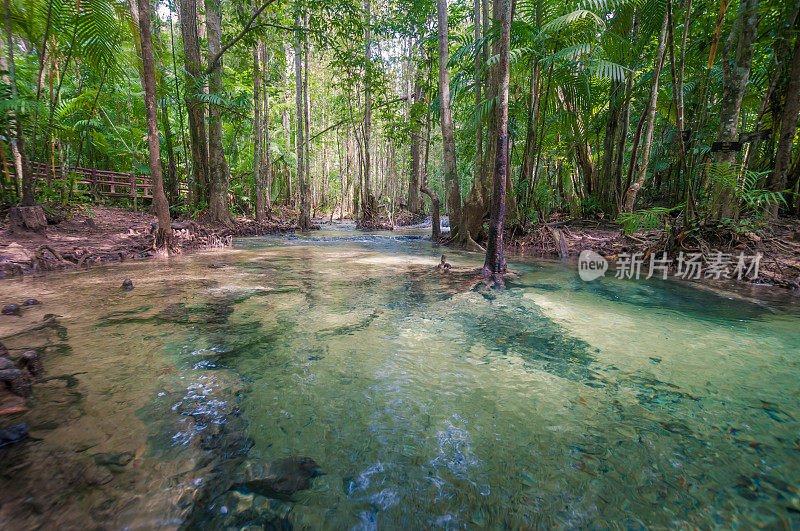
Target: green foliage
point(645, 220)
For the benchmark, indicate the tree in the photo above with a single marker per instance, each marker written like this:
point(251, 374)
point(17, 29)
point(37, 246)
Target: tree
point(495, 263)
point(302, 177)
point(650, 117)
point(195, 110)
point(219, 173)
point(163, 237)
point(446, 115)
point(789, 115)
point(258, 134)
point(735, 75)
point(27, 175)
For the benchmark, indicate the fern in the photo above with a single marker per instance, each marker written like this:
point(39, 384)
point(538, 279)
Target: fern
point(648, 219)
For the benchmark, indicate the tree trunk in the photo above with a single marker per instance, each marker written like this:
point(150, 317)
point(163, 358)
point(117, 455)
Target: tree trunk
point(28, 184)
point(615, 101)
point(258, 134)
point(630, 195)
point(305, 207)
point(495, 264)
point(735, 75)
point(436, 223)
point(448, 140)
point(367, 200)
point(266, 153)
point(164, 233)
point(416, 133)
point(194, 108)
point(219, 173)
point(171, 183)
point(791, 109)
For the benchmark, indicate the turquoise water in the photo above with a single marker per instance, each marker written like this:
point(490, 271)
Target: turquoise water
point(425, 404)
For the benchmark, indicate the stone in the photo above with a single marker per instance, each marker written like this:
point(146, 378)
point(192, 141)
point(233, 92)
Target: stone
point(31, 302)
point(17, 381)
point(127, 284)
point(277, 479)
point(6, 364)
point(95, 475)
point(3, 351)
point(12, 309)
point(13, 435)
point(113, 460)
point(32, 362)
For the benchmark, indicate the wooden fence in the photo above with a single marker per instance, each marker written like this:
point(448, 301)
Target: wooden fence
point(94, 181)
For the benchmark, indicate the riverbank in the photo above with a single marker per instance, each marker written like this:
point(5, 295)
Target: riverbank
point(81, 236)
point(778, 244)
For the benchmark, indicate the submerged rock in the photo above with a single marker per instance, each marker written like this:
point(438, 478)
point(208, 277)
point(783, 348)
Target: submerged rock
point(32, 362)
point(3, 351)
point(13, 435)
point(31, 302)
point(12, 309)
point(17, 381)
point(6, 364)
point(127, 284)
point(113, 460)
point(277, 479)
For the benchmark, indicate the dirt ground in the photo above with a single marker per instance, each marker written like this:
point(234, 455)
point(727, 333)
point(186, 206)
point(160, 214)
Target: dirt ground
point(82, 236)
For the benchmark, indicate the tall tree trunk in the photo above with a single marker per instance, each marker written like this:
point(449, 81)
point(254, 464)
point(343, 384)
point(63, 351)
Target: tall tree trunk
point(367, 201)
point(258, 134)
point(302, 178)
point(28, 184)
point(529, 156)
point(219, 173)
point(416, 133)
point(791, 109)
point(164, 233)
point(448, 140)
point(495, 264)
point(476, 16)
point(735, 75)
point(194, 108)
point(633, 190)
point(266, 153)
point(285, 122)
point(616, 96)
point(171, 183)
point(436, 223)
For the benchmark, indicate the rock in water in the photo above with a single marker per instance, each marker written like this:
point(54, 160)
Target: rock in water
point(278, 479)
point(13, 435)
point(127, 284)
point(32, 362)
point(3, 351)
point(12, 309)
point(31, 302)
point(6, 364)
point(17, 381)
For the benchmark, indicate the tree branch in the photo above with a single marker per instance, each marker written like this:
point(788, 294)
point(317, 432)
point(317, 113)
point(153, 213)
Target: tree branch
point(249, 26)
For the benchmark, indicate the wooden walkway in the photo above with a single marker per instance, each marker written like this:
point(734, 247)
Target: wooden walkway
point(98, 182)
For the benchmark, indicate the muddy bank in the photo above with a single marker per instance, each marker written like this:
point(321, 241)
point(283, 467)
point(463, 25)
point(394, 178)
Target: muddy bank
point(82, 236)
point(778, 243)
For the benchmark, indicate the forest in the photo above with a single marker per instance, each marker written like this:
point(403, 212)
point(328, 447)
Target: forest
point(413, 264)
point(658, 115)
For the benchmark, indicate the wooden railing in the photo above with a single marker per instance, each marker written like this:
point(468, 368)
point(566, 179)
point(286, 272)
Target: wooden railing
point(94, 181)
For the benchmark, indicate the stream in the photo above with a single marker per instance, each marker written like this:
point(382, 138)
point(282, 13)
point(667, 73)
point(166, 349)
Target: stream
point(554, 403)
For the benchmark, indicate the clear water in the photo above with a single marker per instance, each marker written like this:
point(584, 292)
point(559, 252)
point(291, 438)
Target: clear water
point(556, 403)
